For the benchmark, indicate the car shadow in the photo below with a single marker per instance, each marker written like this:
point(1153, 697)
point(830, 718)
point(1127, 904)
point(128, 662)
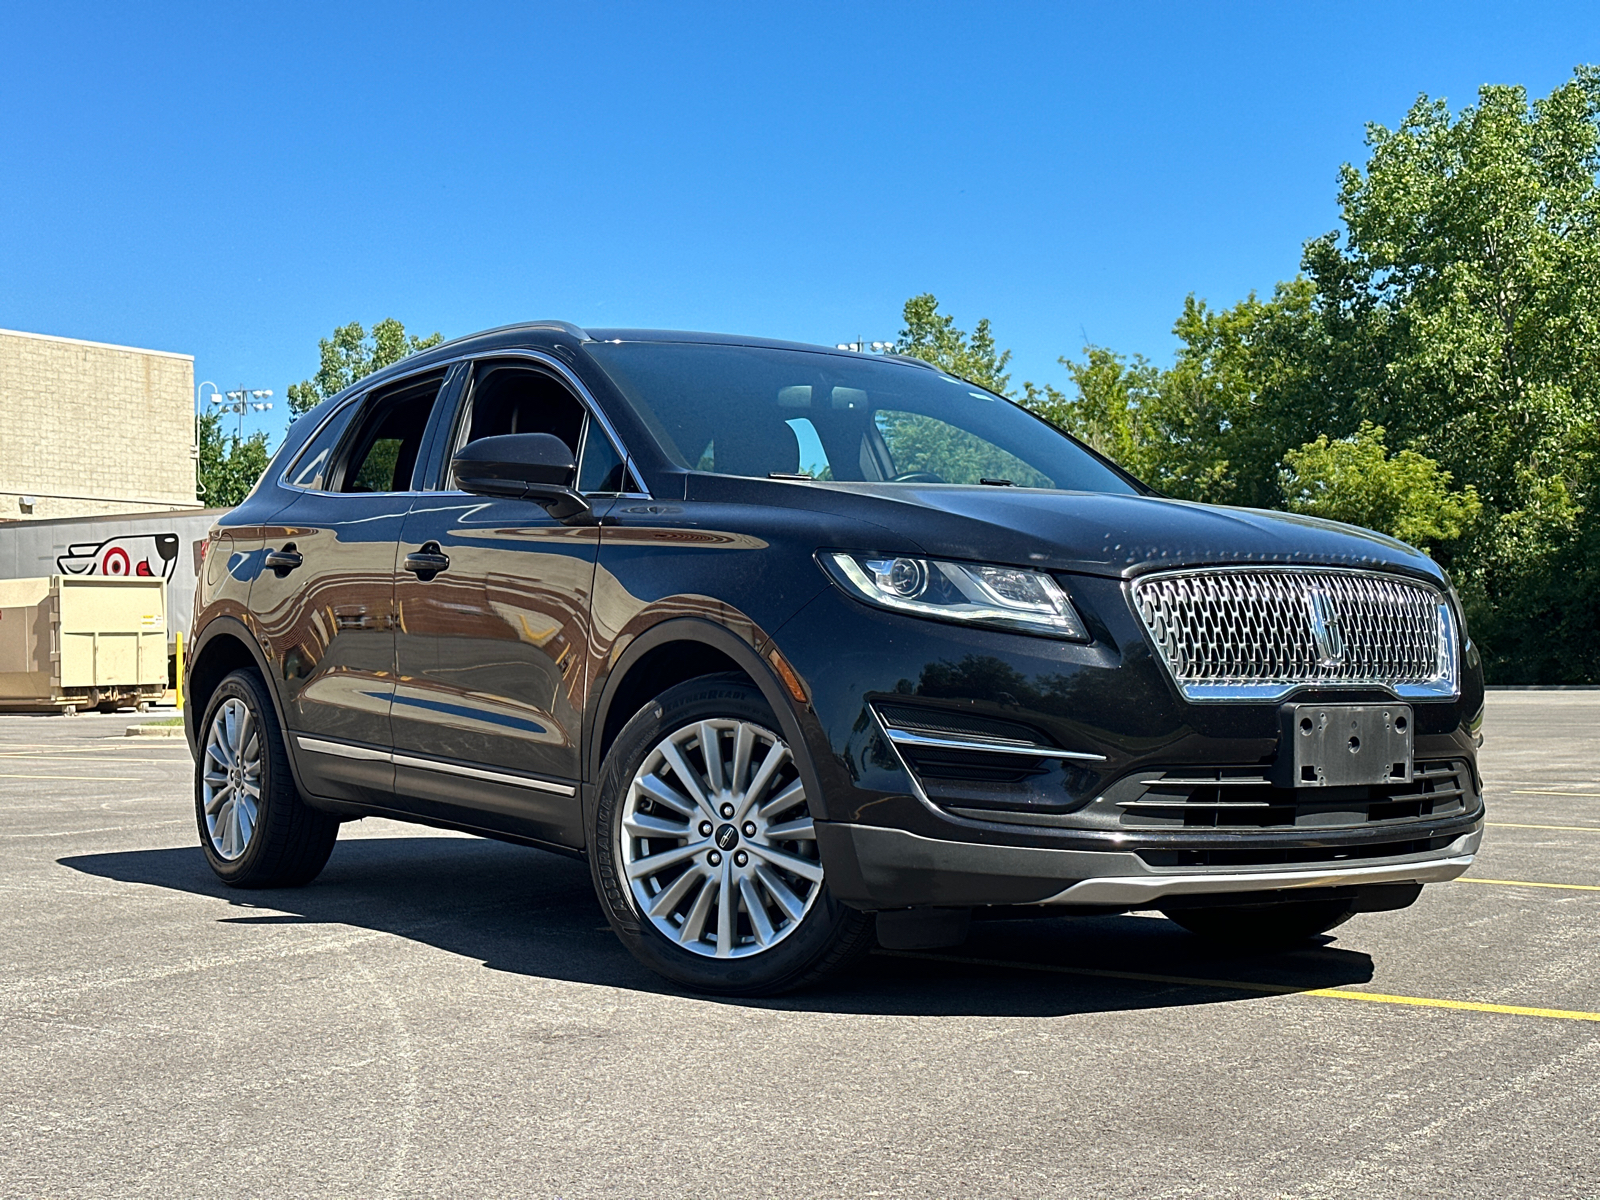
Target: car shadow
point(531, 913)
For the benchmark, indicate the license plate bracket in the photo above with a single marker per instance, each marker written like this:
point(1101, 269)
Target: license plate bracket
point(1345, 745)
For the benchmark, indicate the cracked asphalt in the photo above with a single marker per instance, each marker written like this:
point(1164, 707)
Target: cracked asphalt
point(440, 1015)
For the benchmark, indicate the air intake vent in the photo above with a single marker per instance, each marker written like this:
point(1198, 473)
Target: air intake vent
point(1244, 798)
point(986, 762)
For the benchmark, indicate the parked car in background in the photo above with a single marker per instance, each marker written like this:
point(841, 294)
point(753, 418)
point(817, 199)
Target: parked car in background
point(800, 648)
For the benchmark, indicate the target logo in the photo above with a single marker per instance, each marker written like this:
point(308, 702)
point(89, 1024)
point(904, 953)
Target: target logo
point(144, 555)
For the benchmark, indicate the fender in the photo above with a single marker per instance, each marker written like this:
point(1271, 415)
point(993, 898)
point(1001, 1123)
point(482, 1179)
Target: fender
point(747, 657)
point(235, 628)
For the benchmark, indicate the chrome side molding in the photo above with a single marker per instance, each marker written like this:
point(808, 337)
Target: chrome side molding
point(367, 754)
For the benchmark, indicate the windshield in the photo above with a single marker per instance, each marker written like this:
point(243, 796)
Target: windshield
point(751, 410)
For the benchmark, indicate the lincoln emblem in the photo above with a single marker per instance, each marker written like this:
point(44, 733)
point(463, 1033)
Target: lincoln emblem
point(1325, 629)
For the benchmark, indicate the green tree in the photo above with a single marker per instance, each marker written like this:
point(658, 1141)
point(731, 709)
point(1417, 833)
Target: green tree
point(1357, 480)
point(352, 353)
point(1468, 279)
point(228, 465)
point(933, 337)
point(1457, 308)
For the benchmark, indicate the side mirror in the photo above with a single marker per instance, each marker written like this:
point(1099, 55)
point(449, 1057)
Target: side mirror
point(524, 466)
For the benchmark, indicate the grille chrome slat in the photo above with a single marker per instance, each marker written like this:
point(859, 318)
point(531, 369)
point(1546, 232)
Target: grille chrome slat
point(1258, 633)
point(1187, 798)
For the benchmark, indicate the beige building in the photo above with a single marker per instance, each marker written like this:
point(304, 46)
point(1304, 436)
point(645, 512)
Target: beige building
point(88, 429)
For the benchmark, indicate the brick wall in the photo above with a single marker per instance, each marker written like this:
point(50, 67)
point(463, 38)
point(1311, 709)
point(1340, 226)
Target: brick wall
point(89, 429)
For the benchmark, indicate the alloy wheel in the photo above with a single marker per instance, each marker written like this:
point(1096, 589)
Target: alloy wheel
point(231, 779)
point(717, 844)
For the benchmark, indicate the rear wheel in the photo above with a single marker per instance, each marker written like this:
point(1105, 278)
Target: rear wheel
point(705, 857)
point(255, 829)
point(1263, 926)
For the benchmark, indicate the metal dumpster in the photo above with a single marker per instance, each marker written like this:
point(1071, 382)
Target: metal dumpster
point(69, 642)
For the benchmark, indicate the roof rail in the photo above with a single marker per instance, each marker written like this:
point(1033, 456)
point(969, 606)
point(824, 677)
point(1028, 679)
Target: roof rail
point(912, 358)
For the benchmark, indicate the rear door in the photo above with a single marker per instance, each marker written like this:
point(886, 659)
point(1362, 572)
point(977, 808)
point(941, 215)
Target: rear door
point(493, 622)
point(325, 597)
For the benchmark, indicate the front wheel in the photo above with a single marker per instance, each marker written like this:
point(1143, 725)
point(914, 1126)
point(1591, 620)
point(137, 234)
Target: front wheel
point(1273, 926)
point(704, 854)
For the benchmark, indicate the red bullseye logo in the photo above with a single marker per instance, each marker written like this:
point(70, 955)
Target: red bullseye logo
point(115, 562)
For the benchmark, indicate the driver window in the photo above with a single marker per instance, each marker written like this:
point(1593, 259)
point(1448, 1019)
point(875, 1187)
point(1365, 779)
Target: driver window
point(513, 399)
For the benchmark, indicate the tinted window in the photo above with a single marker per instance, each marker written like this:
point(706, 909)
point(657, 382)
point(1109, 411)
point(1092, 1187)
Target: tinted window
point(515, 399)
point(749, 410)
point(383, 450)
point(314, 467)
point(506, 398)
point(601, 466)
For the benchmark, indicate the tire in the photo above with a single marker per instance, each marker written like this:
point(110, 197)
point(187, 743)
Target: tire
point(718, 876)
point(1274, 926)
point(287, 843)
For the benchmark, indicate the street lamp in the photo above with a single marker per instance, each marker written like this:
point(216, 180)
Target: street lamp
point(194, 443)
point(862, 347)
point(241, 401)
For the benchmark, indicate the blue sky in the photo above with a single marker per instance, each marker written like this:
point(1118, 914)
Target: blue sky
point(233, 181)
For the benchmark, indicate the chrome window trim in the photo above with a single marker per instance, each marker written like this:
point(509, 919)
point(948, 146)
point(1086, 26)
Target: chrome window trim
point(368, 754)
point(1446, 687)
point(564, 372)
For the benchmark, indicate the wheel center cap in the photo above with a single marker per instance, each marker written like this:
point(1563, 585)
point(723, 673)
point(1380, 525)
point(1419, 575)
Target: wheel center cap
point(727, 837)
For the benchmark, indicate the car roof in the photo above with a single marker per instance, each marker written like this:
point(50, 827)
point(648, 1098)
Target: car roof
point(547, 334)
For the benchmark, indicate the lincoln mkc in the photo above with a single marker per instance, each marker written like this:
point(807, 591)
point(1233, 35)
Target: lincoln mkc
point(804, 649)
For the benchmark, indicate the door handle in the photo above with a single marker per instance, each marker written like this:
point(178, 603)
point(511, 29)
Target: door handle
point(285, 560)
point(427, 562)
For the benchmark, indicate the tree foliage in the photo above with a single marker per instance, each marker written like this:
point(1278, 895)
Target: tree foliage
point(1433, 372)
point(1357, 481)
point(228, 465)
point(350, 354)
point(933, 337)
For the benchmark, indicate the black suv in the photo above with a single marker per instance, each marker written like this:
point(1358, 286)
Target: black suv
point(802, 648)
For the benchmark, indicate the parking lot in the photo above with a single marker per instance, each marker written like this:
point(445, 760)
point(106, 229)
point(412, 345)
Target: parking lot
point(442, 1015)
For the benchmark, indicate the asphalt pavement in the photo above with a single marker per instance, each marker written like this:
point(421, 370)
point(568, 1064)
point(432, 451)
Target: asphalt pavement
point(440, 1015)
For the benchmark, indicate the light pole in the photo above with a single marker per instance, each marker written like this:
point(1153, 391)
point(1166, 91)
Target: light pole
point(199, 406)
point(241, 401)
point(861, 346)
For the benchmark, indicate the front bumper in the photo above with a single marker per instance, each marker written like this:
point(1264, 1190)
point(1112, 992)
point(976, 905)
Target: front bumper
point(873, 867)
point(1128, 796)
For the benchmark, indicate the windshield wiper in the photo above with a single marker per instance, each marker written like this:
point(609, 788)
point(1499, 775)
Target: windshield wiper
point(997, 483)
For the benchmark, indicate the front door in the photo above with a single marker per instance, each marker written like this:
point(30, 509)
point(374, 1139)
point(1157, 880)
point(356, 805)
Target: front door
point(492, 631)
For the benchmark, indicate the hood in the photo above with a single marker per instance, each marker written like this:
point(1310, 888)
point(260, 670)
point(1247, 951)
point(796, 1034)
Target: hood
point(1083, 532)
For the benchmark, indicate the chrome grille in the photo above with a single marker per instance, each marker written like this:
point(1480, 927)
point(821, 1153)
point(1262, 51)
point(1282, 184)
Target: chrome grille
point(1259, 633)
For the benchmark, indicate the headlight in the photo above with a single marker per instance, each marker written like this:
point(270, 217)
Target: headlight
point(967, 593)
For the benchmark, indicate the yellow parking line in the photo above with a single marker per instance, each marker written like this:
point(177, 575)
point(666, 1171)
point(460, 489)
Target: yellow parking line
point(1567, 828)
point(1514, 1010)
point(1570, 887)
point(1266, 989)
point(1542, 792)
